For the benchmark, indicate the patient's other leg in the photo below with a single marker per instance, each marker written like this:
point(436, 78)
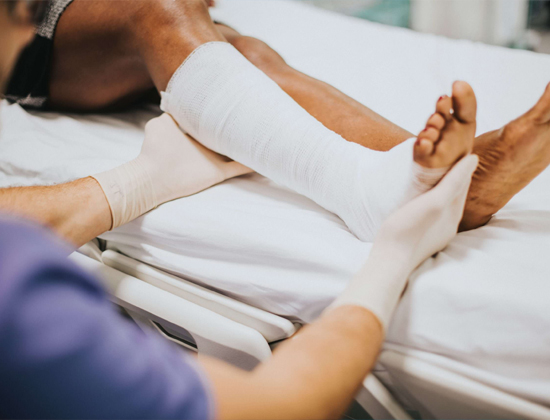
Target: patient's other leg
point(352, 120)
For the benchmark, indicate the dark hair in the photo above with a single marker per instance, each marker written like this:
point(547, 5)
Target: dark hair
point(37, 9)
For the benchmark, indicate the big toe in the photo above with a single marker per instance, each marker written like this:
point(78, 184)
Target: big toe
point(464, 102)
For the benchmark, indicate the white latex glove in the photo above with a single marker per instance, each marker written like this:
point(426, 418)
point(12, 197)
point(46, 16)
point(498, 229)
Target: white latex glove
point(170, 165)
point(409, 236)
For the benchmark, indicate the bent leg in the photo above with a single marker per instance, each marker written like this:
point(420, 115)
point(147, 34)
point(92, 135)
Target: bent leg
point(157, 41)
point(109, 54)
point(100, 63)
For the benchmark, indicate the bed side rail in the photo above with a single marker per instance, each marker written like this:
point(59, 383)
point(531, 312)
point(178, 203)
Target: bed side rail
point(272, 327)
point(451, 395)
point(214, 334)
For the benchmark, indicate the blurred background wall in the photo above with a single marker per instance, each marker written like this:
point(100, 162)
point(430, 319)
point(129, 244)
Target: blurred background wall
point(511, 23)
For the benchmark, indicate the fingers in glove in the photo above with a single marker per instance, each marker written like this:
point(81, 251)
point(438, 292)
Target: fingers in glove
point(161, 123)
point(458, 179)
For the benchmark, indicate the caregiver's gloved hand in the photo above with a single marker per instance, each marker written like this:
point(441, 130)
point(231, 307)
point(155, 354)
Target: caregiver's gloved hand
point(409, 236)
point(170, 165)
point(428, 223)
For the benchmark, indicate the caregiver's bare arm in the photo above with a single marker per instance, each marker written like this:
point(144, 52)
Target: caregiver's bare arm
point(314, 375)
point(78, 211)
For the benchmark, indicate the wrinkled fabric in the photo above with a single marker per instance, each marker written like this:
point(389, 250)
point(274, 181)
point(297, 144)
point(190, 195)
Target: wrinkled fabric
point(65, 351)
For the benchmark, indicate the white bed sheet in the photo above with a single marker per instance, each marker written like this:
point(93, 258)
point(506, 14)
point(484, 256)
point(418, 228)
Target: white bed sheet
point(480, 308)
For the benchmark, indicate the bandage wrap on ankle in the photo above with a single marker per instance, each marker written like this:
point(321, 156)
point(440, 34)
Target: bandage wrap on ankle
point(129, 191)
point(233, 108)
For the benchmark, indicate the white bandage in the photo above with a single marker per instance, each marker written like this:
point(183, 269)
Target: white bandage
point(413, 233)
point(233, 108)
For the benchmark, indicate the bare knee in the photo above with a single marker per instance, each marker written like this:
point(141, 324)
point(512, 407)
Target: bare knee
point(165, 32)
point(260, 54)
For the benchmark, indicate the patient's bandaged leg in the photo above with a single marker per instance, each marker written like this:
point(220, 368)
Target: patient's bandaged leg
point(233, 108)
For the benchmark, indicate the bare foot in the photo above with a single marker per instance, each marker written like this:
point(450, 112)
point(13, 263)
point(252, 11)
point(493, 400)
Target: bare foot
point(509, 159)
point(449, 133)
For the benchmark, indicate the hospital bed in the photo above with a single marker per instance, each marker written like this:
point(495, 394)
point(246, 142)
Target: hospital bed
point(235, 270)
point(213, 324)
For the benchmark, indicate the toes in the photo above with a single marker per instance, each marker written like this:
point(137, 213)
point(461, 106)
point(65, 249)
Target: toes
point(429, 133)
point(541, 110)
point(464, 102)
point(449, 133)
point(423, 149)
point(436, 121)
point(444, 106)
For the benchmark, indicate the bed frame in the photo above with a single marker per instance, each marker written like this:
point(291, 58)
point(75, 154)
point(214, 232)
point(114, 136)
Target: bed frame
point(213, 324)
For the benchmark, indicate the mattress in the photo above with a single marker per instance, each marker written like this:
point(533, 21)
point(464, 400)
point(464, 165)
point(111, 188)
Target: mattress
point(480, 307)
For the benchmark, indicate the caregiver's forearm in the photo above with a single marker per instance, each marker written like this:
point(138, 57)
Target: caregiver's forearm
point(77, 211)
point(314, 375)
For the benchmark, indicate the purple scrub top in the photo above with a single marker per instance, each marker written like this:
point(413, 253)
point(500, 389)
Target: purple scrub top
point(65, 352)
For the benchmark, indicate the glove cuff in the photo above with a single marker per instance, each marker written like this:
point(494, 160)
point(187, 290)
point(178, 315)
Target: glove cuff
point(378, 286)
point(129, 191)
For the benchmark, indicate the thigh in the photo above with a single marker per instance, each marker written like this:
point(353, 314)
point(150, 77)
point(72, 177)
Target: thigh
point(96, 64)
point(93, 65)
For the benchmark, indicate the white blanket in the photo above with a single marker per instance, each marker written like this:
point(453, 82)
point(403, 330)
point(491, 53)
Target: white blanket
point(481, 307)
